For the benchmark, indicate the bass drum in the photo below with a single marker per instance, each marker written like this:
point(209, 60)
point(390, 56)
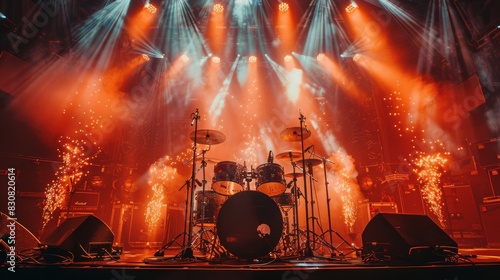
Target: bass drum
point(249, 224)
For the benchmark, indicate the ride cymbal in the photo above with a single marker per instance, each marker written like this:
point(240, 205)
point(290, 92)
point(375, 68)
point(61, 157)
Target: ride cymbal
point(208, 136)
point(286, 155)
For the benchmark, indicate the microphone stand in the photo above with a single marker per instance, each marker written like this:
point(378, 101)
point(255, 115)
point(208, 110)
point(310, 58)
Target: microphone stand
point(187, 252)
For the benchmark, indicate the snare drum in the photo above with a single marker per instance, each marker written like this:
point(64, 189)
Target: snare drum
point(270, 179)
point(229, 178)
point(284, 199)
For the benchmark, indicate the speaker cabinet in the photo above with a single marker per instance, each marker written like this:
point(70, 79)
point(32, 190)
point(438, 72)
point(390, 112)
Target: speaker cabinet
point(81, 237)
point(406, 237)
point(490, 214)
point(494, 176)
point(488, 152)
point(410, 198)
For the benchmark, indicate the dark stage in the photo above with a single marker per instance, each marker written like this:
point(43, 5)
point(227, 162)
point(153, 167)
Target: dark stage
point(484, 264)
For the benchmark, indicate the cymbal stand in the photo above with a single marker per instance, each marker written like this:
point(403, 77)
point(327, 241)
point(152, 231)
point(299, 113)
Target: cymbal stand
point(295, 193)
point(330, 230)
point(312, 218)
point(201, 232)
point(308, 251)
point(187, 252)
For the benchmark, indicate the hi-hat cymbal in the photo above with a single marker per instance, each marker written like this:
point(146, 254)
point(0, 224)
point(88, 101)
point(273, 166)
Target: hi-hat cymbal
point(291, 174)
point(208, 136)
point(309, 161)
point(292, 134)
point(286, 155)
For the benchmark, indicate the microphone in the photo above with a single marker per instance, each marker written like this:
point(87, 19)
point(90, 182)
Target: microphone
point(308, 148)
point(290, 155)
point(289, 184)
point(270, 157)
point(302, 118)
point(195, 116)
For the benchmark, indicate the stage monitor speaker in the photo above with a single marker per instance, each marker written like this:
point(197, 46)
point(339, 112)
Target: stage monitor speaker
point(12, 231)
point(406, 237)
point(81, 238)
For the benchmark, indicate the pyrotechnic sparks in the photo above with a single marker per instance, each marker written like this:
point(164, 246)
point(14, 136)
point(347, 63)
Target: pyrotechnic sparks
point(429, 175)
point(345, 185)
point(161, 173)
point(75, 156)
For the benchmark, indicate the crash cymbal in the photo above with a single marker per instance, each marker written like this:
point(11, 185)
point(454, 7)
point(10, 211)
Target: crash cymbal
point(292, 134)
point(291, 174)
point(208, 136)
point(309, 161)
point(286, 156)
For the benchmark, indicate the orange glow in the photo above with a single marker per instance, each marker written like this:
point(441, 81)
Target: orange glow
point(285, 30)
point(351, 8)
point(252, 59)
point(177, 66)
point(150, 8)
point(216, 30)
point(368, 30)
point(338, 75)
point(140, 23)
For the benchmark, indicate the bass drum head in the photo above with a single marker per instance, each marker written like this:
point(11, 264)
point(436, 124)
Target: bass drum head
point(249, 224)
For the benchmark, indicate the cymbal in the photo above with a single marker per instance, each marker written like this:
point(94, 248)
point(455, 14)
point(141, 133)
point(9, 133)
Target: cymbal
point(208, 136)
point(310, 161)
point(292, 134)
point(286, 155)
point(209, 159)
point(291, 174)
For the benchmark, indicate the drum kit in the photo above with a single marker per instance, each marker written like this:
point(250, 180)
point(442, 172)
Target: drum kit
point(248, 223)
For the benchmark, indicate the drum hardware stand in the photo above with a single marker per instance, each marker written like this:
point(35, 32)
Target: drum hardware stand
point(249, 175)
point(330, 231)
point(308, 252)
point(203, 204)
point(313, 202)
point(286, 222)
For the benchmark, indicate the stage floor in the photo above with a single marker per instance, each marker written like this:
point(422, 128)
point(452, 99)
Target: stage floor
point(478, 263)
